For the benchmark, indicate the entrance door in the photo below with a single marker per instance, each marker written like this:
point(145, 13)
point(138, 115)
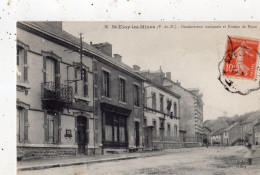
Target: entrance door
point(81, 134)
point(137, 134)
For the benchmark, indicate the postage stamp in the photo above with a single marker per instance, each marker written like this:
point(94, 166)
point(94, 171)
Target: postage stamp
point(239, 70)
point(241, 58)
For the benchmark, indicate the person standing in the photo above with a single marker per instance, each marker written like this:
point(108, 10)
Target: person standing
point(250, 153)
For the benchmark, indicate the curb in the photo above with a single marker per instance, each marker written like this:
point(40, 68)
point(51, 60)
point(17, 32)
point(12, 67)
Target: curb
point(40, 167)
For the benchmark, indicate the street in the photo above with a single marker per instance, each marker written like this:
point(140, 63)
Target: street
point(186, 161)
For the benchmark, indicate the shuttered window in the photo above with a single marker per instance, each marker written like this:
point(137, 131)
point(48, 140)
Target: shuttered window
point(22, 66)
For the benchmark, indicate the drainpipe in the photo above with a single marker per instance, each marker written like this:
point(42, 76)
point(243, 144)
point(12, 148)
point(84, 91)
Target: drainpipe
point(93, 96)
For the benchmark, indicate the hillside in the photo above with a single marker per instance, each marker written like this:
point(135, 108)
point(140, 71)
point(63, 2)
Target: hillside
point(224, 121)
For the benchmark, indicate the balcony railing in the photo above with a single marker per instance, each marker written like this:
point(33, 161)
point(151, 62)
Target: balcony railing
point(56, 93)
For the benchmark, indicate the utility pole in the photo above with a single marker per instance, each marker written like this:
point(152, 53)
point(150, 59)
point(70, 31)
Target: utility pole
point(81, 50)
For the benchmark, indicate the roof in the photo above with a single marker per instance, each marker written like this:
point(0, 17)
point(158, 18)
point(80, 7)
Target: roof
point(230, 127)
point(69, 38)
point(218, 132)
point(255, 115)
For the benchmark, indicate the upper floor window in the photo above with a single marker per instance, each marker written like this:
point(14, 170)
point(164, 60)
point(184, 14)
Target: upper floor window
point(50, 70)
point(169, 105)
point(154, 100)
point(161, 102)
point(136, 95)
point(106, 84)
point(175, 109)
point(21, 63)
point(122, 90)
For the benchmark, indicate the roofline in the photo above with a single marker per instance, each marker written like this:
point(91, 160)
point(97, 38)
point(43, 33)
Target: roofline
point(161, 87)
point(70, 43)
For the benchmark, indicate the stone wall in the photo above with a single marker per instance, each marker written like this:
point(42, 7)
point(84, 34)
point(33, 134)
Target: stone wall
point(44, 152)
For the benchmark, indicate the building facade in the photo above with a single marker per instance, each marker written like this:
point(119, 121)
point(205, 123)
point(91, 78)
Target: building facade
point(54, 93)
point(191, 107)
point(231, 134)
point(118, 101)
point(73, 97)
point(161, 117)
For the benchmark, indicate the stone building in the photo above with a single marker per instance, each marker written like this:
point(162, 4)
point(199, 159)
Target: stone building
point(231, 134)
point(217, 137)
point(118, 102)
point(191, 107)
point(161, 116)
point(67, 105)
point(247, 126)
point(54, 93)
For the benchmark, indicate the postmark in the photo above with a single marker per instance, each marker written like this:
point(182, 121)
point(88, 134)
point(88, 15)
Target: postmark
point(239, 70)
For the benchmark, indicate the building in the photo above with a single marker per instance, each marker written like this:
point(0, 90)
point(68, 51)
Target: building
point(247, 126)
point(232, 134)
point(118, 102)
point(191, 106)
point(257, 133)
point(161, 116)
point(73, 97)
point(54, 93)
point(217, 137)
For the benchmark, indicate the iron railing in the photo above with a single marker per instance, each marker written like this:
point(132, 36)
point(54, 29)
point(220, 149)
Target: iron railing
point(56, 91)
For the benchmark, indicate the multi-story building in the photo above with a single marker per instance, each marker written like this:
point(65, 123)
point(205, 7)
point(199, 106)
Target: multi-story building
point(217, 137)
point(54, 93)
point(231, 134)
point(191, 107)
point(73, 97)
point(247, 126)
point(118, 102)
point(161, 116)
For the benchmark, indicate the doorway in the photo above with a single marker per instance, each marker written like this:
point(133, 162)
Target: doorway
point(137, 135)
point(81, 134)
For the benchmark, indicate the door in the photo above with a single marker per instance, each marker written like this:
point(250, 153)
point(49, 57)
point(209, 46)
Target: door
point(81, 134)
point(137, 134)
point(149, 138)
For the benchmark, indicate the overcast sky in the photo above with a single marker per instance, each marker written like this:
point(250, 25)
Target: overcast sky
point(191, 55)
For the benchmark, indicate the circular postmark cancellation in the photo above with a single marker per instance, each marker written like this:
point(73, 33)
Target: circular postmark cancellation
point(239, 69)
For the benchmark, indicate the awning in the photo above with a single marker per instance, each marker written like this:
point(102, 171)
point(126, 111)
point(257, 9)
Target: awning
point(115, 109)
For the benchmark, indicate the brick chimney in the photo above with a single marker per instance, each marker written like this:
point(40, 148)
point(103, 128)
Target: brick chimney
point(118, 57)
point(136, 68)
point(55, 25)
point(169, 75)
point(106, 48)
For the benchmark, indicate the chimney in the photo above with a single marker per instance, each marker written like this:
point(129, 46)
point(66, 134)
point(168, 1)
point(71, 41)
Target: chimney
point(55, 24)
point(106, 48)
point(177, 82)
point(169, 75)
point(118, 57)
point(91, 43)
point(136, 68)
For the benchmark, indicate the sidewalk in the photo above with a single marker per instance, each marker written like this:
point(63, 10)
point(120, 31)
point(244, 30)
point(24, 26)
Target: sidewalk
point(84, 159)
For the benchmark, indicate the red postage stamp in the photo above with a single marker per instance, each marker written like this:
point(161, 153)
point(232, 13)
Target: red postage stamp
point(241, 58)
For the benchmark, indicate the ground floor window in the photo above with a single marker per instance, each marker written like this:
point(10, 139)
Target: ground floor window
point(115, 127)
point(20, 124)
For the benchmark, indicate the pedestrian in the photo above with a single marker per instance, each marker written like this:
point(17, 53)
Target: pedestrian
point(250, 153)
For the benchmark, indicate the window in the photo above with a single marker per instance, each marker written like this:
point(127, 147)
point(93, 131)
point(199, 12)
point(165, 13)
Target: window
point(95, 79)
point(175, 131)
point(20, 124)
point(22, 67)
point(161, 124)
point(161, 102)
point(175, 109)
point(122, 90)
point(136, 95)
point(154, 100)
point(168, 130)
point(169, 105)
point(95, 66)
point(85, 81)
point(154, 128)
point(106, 84)
point(50, 70)
point(145, 97)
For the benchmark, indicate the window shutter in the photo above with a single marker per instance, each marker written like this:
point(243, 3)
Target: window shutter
point(45, 126)
point(59, 129)
point(26, 125)
point(119, 90)
point(25, 66)
point(85, 90)
point(44, 69)
point(57, 74)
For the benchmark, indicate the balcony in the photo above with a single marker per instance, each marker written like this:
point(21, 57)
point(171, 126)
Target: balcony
point(55, 96)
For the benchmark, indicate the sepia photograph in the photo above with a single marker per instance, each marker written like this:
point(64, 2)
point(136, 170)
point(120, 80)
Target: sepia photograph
point(137, 97)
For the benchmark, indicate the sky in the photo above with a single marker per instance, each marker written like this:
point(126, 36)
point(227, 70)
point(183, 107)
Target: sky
point(191, 55)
